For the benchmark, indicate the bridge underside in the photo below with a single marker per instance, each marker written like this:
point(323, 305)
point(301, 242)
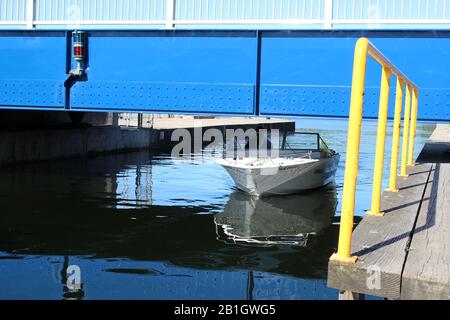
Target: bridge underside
point(217, 72)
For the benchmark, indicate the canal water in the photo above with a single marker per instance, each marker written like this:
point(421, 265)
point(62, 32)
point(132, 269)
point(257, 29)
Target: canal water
point(145, 226)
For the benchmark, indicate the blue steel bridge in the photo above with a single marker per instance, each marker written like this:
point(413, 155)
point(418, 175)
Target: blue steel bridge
point(246, 57)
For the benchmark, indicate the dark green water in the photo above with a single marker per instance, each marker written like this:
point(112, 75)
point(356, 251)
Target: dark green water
point(145, 226)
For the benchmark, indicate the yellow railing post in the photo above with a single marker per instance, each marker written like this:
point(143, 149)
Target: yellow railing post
point(396, 136)
point(362, 50)
point(412, 130)
point(352, 155)
point(381, 141)
point(406, 120)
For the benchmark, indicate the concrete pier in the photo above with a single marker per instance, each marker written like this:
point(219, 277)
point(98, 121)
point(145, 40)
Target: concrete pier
point(27, 136)
point(36, 145)
point(217, 122)
point(166, 126)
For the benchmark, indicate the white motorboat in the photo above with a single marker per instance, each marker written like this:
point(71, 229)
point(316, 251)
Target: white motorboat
point(293, 170)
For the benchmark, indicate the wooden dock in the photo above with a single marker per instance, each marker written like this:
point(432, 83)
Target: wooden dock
point(406, 253)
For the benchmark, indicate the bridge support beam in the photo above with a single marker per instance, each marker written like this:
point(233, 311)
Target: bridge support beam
point(214, 72)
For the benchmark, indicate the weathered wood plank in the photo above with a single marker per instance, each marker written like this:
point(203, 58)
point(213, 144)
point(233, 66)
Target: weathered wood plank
point(441, 133)
point(380, 242)
point(427, 269)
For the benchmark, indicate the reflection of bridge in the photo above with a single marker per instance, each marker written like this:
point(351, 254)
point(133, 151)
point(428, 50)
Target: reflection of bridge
point(161, 251)
point(290, 57)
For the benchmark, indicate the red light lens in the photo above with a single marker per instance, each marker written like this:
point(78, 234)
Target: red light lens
point(78, 51)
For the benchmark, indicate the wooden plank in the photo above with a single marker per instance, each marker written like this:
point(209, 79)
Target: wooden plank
point(380, 242)
point(441, 133)
point(427, 269)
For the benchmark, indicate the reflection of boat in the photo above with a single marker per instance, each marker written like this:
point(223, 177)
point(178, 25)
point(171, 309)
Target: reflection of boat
point(294, 169)
point(159, 251)
point(275, 220)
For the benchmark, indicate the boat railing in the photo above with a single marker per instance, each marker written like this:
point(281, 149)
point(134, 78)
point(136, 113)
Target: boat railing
point(363, 49)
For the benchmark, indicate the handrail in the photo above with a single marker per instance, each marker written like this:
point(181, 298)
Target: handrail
point(363, 49)
point(249, 14)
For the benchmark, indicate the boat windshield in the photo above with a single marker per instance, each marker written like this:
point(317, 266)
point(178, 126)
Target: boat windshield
point(303, 141)
point(296, 142)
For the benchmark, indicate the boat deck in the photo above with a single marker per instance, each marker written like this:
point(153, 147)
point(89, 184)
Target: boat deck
point(406, 253)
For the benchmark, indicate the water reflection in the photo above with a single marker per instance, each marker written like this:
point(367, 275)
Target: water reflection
point(70, 292)
point(119, 219)
point(266, 221)
point(145, 226)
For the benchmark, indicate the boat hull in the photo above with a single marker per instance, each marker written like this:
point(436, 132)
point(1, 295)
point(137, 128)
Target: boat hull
point(285, 179)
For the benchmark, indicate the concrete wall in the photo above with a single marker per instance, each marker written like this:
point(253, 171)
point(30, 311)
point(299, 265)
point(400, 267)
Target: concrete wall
point(31, 118)
point(27, 136)
point(40, 135)
point(34, 145)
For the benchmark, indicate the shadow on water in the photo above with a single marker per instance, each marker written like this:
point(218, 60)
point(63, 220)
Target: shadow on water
point(80, 212)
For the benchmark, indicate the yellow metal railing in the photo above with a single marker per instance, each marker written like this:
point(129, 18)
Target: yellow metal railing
point(364, 49)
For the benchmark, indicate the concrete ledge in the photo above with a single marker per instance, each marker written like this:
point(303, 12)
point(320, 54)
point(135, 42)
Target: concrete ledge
point(35, 145)
point(63, 141)
point(165, 127)
point(217, 122)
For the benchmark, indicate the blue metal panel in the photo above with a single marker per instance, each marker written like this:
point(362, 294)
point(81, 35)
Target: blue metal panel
point(167, 97)
point(309, 73)
point(218, 72)
point(179, 72)
point(434, 104)
point(32, 93)
point(33, 69)
point(317, 100)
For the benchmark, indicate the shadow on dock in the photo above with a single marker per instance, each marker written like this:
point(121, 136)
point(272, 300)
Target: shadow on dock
point(406, 247)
